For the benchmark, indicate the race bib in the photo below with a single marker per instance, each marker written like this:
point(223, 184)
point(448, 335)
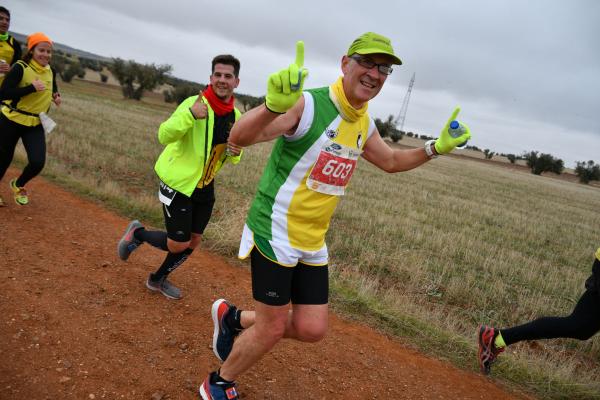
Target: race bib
point(333, 169)
point(166, 194)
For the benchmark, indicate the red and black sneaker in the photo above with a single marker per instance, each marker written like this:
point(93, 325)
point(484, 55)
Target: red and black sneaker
point(128, 242)
point(487, 349)
point(223, 335)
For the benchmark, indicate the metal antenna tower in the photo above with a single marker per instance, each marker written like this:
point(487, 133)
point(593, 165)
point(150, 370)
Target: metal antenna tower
point(402, 115)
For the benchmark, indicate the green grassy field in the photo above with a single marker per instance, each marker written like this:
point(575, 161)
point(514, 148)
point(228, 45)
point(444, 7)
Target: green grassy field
point(426, 255)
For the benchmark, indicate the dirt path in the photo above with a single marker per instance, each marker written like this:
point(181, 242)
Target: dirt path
point(78, 323)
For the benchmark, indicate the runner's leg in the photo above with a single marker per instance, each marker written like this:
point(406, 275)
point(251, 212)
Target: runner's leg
point(185, 219)
point(171, 262)
point(156, 239)
point(203, 202)
point(271, 288)
point(178, 221)
point(256, 341)
point(582, 324)
point(34, 141)
point(8, 142)
point(310, 293)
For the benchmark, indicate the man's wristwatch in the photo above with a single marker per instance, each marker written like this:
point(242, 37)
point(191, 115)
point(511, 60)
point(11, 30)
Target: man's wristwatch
point(430, 149)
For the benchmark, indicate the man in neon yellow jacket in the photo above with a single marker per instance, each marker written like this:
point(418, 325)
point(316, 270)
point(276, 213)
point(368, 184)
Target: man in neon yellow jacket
point(195, 136)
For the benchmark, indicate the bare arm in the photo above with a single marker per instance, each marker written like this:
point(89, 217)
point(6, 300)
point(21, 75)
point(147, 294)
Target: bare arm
point(261, 125)
point(379, 153)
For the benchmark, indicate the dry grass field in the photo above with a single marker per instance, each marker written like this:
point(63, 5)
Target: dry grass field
point(426, 255)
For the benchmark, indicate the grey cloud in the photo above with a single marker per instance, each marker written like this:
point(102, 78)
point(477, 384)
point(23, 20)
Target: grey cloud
point(536, 60)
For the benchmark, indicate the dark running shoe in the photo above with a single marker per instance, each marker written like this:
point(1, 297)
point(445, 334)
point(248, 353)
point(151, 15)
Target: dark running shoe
point(212, 390)
point(164, 286)
point(128, 242)
point(487, 349)
point(223, 334)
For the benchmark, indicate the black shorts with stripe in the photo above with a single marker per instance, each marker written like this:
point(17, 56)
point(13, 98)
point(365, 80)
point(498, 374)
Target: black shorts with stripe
point(276, 285)
point(187, 215)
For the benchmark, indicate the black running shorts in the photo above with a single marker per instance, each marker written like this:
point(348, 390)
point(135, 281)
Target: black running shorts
point(276, 285)
point(189, 214)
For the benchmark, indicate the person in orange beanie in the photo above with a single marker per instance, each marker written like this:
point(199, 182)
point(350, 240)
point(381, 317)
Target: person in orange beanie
point(27, 91)
point(36, 38)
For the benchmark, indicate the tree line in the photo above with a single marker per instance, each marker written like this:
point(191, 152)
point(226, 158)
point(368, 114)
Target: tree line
point(586, 171)
point(136, 78)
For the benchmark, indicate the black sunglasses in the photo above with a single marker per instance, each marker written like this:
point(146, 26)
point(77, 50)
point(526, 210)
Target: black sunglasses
point(385, 69)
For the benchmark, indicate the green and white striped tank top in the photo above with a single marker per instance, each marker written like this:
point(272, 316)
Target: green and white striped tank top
point(285, 208)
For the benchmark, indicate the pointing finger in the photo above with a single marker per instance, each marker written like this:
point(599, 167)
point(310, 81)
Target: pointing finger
point(454, 115)
point(300, 53)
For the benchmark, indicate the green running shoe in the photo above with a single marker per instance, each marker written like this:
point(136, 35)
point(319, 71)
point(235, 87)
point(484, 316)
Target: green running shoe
point(19, 193)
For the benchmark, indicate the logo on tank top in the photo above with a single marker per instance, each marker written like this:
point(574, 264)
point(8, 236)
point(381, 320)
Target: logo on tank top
point(331, 133)
point(334, 148)
point(359, 140)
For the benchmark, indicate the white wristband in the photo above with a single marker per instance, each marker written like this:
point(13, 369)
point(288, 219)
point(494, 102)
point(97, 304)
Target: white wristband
point(430, 150)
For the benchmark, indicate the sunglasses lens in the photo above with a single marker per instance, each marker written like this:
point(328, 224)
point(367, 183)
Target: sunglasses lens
point(385, 69)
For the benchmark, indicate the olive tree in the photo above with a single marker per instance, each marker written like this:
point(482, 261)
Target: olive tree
point(134, 78)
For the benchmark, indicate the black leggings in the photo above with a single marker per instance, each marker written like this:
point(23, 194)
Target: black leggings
point(34, 142)
point(582, 324)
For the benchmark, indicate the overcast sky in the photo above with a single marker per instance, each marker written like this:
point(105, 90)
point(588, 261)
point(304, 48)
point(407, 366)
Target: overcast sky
point(525, 73)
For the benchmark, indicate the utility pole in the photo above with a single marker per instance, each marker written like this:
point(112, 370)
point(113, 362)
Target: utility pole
point(402, 115)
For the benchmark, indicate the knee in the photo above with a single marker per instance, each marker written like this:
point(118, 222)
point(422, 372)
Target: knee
point(177, 247)
point(195, 242)
point(37, 165)
point(271, 333)
point(581, 327)
point(310, 332)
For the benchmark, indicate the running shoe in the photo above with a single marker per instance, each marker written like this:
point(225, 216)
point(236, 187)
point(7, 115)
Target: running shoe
point(487, 349)
point(164, 286)
point(128, 242)
point(19, 193)
point(223, 334)
point(213, 390)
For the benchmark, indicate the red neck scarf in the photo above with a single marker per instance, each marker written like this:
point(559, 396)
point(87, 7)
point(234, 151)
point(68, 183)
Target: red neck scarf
point(219, 106)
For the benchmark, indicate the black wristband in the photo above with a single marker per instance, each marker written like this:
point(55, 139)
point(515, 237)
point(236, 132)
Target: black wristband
point(192, 113)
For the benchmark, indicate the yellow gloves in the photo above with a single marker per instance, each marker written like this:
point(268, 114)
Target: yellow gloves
point(284, 88)
point(450, 138)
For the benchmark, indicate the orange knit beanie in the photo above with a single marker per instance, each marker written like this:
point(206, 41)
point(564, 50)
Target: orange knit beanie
point(36, 38)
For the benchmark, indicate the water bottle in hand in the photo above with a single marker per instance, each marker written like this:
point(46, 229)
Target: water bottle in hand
point(455, 130)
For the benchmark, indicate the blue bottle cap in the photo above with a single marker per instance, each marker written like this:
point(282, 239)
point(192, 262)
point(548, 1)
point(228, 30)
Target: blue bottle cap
point(454, 125)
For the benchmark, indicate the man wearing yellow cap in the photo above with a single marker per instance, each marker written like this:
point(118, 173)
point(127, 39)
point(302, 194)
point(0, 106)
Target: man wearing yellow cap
point(10, 48)
point(27, 91)
point(320, 135)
